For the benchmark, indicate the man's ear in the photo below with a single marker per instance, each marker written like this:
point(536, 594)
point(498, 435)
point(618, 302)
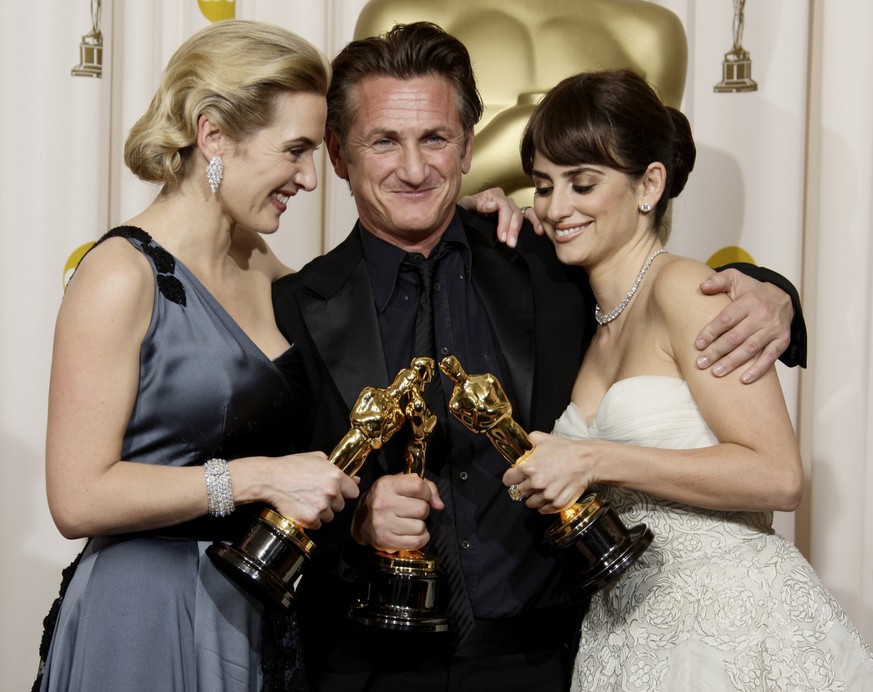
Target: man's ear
point(336, 153)
point(467, 158)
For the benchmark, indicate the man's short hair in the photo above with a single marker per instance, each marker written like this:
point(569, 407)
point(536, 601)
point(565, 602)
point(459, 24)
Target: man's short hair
point(407, 51)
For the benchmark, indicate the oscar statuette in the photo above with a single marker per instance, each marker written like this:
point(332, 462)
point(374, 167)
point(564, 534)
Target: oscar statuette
point(268, 559)
point(91, 47)
point(402, 591)
point(737, 64)
point(589, 537)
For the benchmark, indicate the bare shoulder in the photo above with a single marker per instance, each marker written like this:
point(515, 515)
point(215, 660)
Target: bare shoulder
point(114, 267)
point(111, 293)
point(676, 293)
point(679, 274)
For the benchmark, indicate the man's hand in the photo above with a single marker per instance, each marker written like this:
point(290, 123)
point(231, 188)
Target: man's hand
point(391, 515)
point(755, 328)
point(509, 216)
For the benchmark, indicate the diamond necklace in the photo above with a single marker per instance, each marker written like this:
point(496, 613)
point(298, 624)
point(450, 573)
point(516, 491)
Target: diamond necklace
point(616, 311)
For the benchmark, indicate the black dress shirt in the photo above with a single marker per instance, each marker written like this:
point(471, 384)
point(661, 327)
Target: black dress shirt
point(505, 568)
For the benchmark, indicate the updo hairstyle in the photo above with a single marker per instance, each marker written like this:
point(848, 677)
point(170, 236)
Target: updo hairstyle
point(614, 119)
point(231, 71)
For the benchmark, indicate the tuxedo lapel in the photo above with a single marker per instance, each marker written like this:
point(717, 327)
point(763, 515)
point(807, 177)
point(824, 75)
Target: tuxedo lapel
point(507, 294)
point(338, 312)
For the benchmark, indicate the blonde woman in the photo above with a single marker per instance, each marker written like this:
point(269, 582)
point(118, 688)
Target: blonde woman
point(168, 412)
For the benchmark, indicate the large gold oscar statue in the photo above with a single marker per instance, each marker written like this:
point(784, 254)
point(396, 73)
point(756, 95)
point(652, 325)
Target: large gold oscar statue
point(520, 50)
point(402, 592)
point(588, 537)
point(268, 559)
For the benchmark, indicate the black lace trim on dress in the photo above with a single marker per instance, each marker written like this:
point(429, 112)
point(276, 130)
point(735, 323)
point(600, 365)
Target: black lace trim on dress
point(281, 655)
point(165, 264)
point(48, 623)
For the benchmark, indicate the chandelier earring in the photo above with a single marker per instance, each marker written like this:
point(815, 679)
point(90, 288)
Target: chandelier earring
point(645, 207)
point(213, 173)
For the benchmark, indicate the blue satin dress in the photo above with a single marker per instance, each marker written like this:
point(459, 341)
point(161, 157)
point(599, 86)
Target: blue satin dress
point(149, 611)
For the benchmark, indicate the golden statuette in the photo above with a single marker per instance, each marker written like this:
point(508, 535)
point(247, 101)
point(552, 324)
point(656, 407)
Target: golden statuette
point(269, 557)
point(403, 588)
point(589, 537)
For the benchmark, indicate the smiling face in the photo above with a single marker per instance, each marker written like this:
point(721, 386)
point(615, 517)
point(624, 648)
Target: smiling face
point(589, 211)
point(404, 158)
point(270, 166)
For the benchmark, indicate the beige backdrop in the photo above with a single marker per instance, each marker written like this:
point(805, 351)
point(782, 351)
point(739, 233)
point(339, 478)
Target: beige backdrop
point(776, 167)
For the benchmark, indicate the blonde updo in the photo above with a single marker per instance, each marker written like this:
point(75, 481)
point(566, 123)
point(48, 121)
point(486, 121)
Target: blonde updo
point(231, 71)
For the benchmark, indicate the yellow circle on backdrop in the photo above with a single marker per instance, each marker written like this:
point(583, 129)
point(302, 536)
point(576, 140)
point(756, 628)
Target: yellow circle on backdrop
point(216, 10)
point(73, 261)
point(729, 254)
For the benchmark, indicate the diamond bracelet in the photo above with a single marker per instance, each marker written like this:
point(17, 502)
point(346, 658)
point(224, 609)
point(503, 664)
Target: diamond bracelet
point(218, 489)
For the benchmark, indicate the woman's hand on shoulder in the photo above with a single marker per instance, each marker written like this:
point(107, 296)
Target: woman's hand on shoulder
point(510, 217)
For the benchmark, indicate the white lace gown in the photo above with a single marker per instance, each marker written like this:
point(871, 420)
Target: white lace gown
point(718, 601)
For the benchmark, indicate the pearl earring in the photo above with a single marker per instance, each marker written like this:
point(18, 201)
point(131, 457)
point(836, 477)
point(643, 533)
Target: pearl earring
point(645, 207)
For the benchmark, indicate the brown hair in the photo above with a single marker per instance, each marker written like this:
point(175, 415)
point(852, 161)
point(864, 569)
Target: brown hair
point(231, 71)
point(407, 51)
point(615, 119)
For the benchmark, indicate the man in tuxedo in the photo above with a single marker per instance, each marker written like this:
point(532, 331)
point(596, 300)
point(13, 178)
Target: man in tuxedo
point(401, 113)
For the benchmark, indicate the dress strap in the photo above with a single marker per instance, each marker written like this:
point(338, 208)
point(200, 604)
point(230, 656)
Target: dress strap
point(165, 264)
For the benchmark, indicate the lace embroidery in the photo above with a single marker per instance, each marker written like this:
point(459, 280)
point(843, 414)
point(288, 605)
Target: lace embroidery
point(718, 601)
point(50, 620)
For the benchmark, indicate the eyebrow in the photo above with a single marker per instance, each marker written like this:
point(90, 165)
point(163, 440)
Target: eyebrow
point(573, 172)
point(305, 141)
point(380, 131)
point(443, 130)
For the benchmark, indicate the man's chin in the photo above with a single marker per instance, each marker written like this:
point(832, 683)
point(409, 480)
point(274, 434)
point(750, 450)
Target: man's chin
point(420, 224)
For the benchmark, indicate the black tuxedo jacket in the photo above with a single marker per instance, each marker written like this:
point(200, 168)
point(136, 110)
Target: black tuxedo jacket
point(541, 314)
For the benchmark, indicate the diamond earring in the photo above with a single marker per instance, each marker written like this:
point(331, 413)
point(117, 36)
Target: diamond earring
point(213, 173)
